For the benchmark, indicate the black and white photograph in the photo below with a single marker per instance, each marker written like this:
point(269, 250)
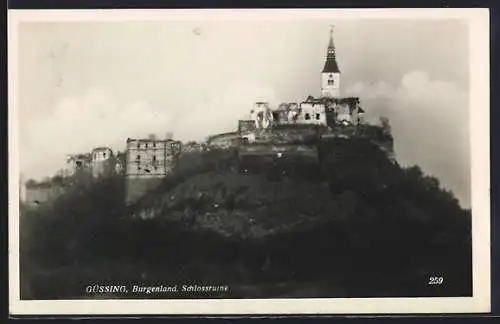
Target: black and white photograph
point(249, 161)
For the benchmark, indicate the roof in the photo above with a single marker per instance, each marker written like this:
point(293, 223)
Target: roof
point(331, 65)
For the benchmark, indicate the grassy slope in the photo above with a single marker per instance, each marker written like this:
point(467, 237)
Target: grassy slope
point(370, 229)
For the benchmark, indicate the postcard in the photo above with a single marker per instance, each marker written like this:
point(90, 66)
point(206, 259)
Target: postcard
point(226, 162)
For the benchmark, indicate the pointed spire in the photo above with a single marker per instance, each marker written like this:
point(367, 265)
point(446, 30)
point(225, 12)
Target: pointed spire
point(331, 65)
point(330, 44)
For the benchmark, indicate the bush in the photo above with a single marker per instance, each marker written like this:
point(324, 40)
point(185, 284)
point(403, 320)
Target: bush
point(379, 230)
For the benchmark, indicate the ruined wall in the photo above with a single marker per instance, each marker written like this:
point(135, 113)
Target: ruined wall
point(288, 134)
point(246, 126)
point(148, 162)
point(224, 141)
point(37, 195)
point(102, 162)
point(282, 145)
point(78, 164)
point(312, 113)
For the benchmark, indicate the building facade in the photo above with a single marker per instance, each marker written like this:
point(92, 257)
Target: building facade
point(78, 164)
point(330, 109)
point(344, 111)
point(330, 76)
point(151, 157)
point(147, 163)
point(120, 162)
point(312, 112)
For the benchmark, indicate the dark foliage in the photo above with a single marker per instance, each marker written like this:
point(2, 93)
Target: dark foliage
point(382, 231)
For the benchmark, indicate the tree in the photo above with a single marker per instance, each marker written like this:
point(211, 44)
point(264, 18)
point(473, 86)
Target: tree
point(384, 121)
point(31, 182)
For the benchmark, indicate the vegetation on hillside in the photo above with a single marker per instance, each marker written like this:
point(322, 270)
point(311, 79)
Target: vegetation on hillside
point(367, 228)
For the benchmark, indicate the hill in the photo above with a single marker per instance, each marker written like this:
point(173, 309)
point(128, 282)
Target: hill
point(366, 228)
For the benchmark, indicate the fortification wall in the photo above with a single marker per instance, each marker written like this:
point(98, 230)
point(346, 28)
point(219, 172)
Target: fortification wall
point(39, 195)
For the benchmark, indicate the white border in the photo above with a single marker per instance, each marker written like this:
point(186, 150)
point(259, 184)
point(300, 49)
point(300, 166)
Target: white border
point(479, 126)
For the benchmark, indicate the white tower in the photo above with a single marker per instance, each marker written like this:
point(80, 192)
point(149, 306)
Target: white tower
point(330, 76)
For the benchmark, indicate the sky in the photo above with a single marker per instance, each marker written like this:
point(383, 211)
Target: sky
point(87, 84)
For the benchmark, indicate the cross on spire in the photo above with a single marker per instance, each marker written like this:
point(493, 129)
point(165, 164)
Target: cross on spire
point(331, 62)
point(331, 46)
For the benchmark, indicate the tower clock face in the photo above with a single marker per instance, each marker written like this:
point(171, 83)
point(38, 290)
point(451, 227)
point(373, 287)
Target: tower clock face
point(331, 80)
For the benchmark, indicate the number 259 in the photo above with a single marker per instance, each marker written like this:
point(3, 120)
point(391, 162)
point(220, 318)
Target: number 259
point(436, 280)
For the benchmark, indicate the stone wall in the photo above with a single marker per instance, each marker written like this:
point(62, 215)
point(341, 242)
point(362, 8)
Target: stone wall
point(224, 141)
point(288, 134)
point(103, 168)
point(148, 162)
point(37, 195)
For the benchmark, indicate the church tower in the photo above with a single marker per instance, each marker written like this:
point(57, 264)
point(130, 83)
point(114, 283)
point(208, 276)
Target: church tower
point(330, 76)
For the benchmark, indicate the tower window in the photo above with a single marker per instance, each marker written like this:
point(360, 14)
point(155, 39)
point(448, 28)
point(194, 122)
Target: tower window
point(330, 82)
point(308, 116)
point(318, 116)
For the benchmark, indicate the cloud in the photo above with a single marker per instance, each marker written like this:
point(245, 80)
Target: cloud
point(371, 90)
point(429, 120)
point(430, 125)
point(97, 118)
point(221, 112)
point(80, 123)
